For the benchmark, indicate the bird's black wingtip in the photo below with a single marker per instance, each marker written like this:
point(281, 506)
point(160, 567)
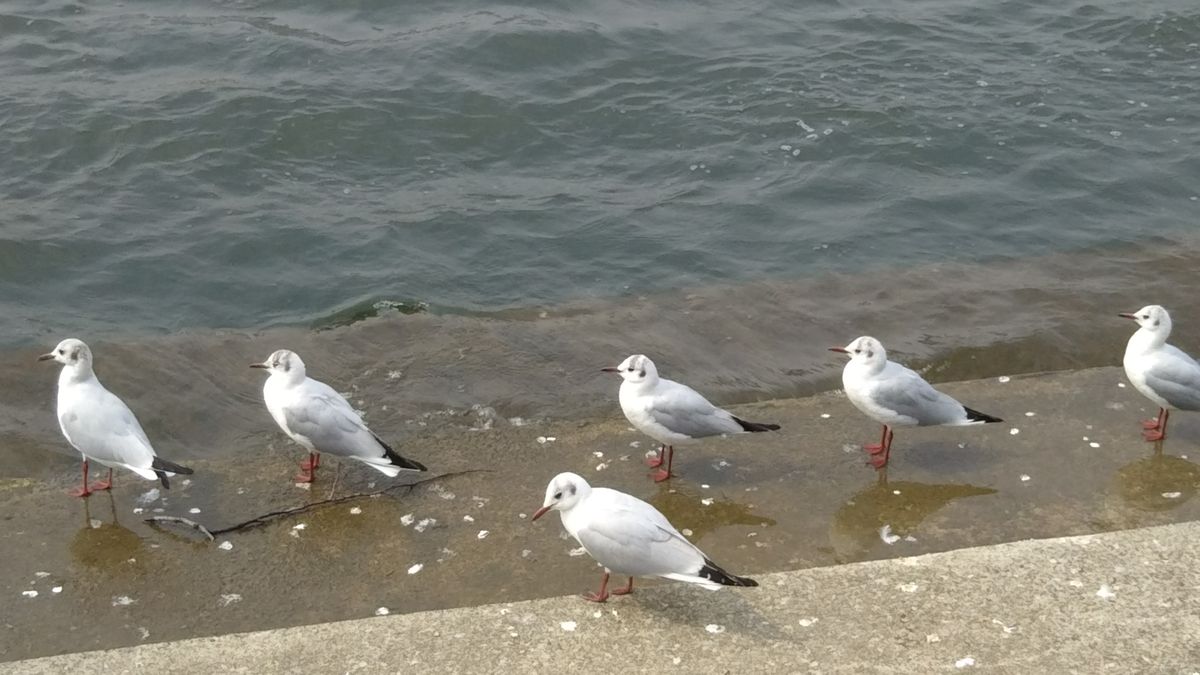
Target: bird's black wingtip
point(976, 416)
point(396, 460)
point(755, 426)
point(714, 573)
point(160, 464)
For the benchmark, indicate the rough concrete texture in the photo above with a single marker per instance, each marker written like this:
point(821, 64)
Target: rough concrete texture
point(1120, 602)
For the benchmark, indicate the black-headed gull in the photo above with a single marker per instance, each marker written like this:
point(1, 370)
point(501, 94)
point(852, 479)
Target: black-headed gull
point(1163, 373)
point(99, 425)
point(895, 396)
point(671, 413)
point(629, 537)
point(321, 420)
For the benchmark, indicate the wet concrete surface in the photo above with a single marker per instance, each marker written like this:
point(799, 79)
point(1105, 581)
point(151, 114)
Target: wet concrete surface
point(1120, 602)
point(798, 498)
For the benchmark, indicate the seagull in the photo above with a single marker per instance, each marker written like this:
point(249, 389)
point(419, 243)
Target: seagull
point(671, 413)
point(321, 420)
point(1163, 373)
point(895, 396)
point(629, 537)
point(99, 425)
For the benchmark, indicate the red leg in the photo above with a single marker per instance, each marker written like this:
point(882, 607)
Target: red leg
point(880, 459)
point(625, 590)
point(600, 595)
point(309, 468)
point(104, 484)
point(664, 474)
point(82, 490)
point(1159, 431)
point(876, 448)
point(655, 462)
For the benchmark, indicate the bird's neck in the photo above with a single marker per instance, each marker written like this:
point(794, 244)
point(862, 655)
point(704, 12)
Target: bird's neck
point(76, 374)
point(290, 379)
point(1145, 340)
point(645, 385)
point(866, 368)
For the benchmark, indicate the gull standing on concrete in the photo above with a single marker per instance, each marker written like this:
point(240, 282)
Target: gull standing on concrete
point(1163, 373)
point(671, 413)
point(99, 425)
point(895, 396)
point(629, 537)
point(321, 420)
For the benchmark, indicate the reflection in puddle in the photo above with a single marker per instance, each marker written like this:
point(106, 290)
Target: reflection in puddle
point(692, 510)
point(101, 545)
point(1158, 482)
point(901, 506)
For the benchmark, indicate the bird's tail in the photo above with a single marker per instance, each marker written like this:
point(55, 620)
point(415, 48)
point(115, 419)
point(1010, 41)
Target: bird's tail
point(976, 416)
point(755, 426)
point(162, 468)
point(394, 458)
point(711, 576)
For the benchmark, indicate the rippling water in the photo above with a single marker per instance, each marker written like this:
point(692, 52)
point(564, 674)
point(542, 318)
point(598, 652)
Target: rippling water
point(181, 165)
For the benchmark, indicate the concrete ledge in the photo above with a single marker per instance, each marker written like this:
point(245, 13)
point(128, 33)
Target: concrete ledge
point(1119, 602)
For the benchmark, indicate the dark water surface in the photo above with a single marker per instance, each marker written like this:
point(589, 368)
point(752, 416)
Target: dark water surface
point(172, 165)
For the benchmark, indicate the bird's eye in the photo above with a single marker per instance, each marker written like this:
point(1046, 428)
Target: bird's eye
point(857, 351)
point(60, 351)
point(558, 495)
point(630, 369)
point(1145, 316)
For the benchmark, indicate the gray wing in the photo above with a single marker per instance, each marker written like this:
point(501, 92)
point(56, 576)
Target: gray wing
point(104, 428)
point(1175, 376)
point(631, 537)
point(330, 424)
point(908, 394)
point(684, 411)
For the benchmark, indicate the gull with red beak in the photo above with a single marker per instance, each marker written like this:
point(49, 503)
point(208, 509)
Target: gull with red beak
point(1162, 373)
point(322, 420)
point(671, 413)
point(99, 425)
point(895, 396)
point(629, 537)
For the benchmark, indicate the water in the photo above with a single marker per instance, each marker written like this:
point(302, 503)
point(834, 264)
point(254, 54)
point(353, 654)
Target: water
point(247, 165)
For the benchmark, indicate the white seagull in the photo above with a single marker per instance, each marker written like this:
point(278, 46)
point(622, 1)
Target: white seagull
point(1163, 373)
point(895, 396)
point(321, 420)
point(671, 413)
point(629, 537)
point(99, 425)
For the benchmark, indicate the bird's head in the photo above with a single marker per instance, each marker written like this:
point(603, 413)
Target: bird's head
point(865, 351)
point(563, 493)
point(635, 369)
point(283, 362)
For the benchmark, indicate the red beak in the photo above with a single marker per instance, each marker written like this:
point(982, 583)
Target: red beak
point(1124, 315)
point(539, 513)
point(840, 350)
point(610, 370)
